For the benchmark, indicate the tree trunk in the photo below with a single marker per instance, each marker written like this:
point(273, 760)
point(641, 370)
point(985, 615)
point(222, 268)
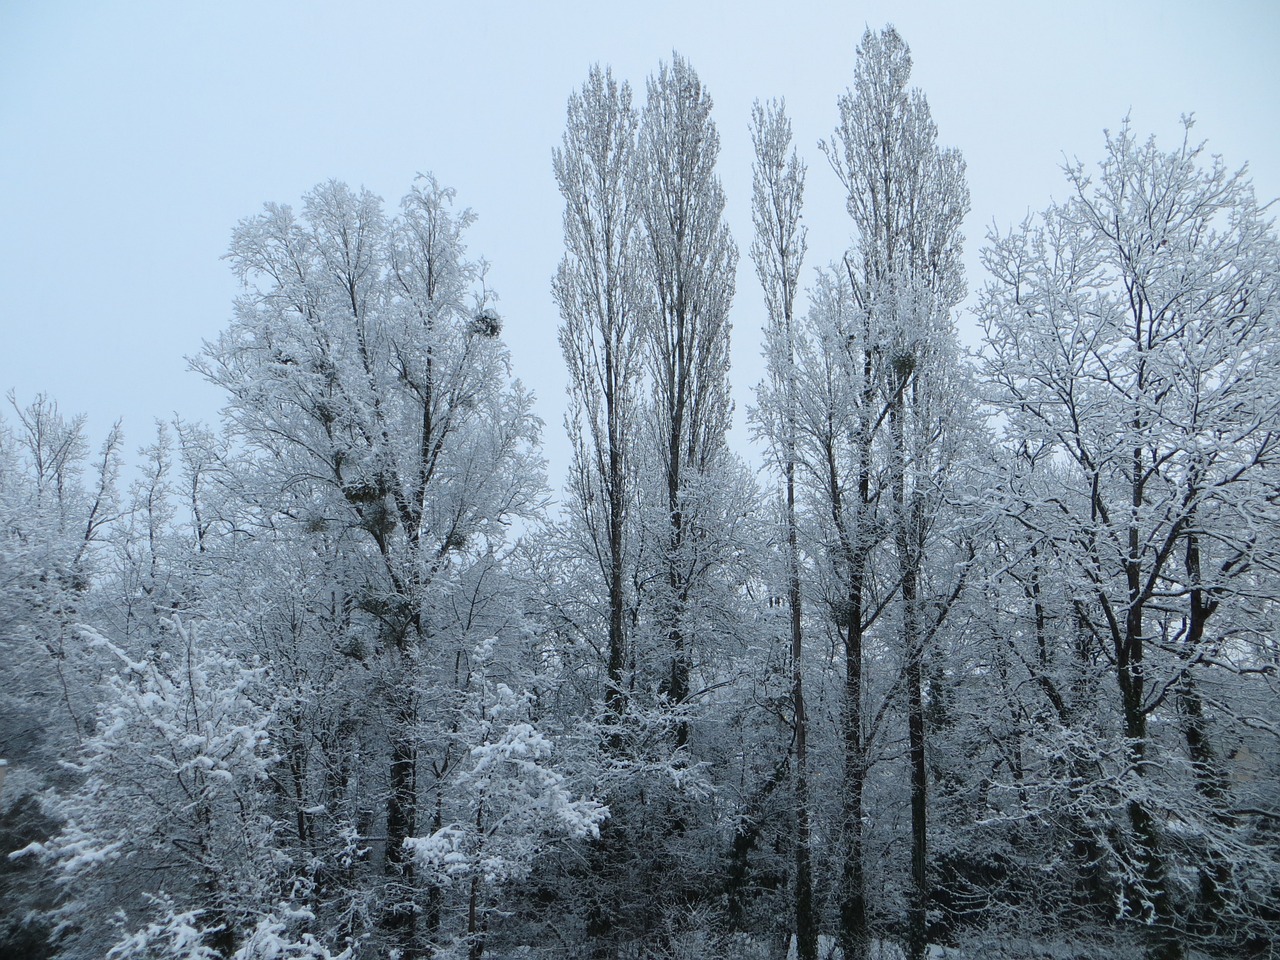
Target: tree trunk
point(1152, 893)
point(907, 534)
point(617, 572)
point(853, 904)
point(676, 687)
point(917, 913)
point(400, 917)
point(477, 926)
point(806, 927)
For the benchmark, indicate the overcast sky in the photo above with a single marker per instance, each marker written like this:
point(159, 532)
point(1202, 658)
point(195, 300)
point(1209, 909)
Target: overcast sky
point(133, 136)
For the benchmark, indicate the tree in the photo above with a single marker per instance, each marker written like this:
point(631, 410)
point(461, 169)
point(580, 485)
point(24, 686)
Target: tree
point(604, 303)
point(169, 843)
point(603, 306)
point(645, 292)
point(691, 263)
point(778, 251)
point(170, 789)
point(1131, 347)
point(377, 402)
point(907, 198)
point(513, 802)
point(289, 594)
point(53, 524)
point(50, 528)
point(834, 404)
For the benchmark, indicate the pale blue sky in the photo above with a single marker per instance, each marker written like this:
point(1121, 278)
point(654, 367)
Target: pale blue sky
point(134, 135)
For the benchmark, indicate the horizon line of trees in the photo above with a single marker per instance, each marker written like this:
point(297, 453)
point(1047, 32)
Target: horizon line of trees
point(988, 660)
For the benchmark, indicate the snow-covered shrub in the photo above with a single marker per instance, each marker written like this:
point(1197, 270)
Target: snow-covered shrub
point(168, 844)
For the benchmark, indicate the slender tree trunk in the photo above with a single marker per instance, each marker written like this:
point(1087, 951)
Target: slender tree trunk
point(677, 684)
point(435, 893)
point(477, 931)
point(917, 913)
point(1214, 873)
point(617, 597)
point(477, 927)
point(1164, 942)
point(616, 494)
point(853, 904)
point(806, 927)
point(906, 533)
point(400, 917)
point(1153, 892)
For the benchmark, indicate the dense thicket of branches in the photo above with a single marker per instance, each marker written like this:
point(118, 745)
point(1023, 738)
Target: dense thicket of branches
point(986, 659)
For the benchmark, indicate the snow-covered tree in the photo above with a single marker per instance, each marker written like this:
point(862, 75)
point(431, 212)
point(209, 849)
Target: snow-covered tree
point(169, 819)
point(377, 402)
point(51, 525)
point(511, 802)
point(907, 198)
point(1132, 350)
point(692, 264)
point(604, 304)
point(59, 508)
point(778, 251)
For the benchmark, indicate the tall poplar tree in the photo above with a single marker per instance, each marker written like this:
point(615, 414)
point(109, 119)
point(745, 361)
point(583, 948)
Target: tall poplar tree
point(778, 251)
point(603, 302)
point(692, 262)
point(908, 198)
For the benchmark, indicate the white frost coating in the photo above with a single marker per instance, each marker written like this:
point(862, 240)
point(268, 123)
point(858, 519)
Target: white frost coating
point(171, 779)
point(517, 801)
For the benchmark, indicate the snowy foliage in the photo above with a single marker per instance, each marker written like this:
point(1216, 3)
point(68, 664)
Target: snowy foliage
point(516, 801)
point(172, 785)
point(333, 683)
